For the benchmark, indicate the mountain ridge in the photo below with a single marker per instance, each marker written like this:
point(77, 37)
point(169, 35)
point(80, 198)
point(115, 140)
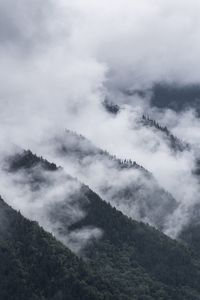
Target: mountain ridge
point(136, 255)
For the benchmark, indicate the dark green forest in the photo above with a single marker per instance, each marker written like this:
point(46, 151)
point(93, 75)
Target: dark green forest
point(131, 260)
point(34, 265)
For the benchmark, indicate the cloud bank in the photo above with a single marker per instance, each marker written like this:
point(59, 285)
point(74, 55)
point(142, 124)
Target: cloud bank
point(60, 59)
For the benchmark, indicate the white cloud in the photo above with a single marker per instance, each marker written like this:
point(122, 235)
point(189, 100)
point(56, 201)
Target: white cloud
point(59, 59)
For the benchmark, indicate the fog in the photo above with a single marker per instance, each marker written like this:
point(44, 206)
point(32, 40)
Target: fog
point(59, 60)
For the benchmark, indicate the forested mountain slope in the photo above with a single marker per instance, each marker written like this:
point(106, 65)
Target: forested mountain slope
point(123, 183)
point(137, 260)
point(174, 143)
point(35, 266)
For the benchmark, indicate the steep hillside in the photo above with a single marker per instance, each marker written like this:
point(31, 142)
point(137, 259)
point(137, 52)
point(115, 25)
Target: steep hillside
point(174, 143)
point(190, 234)
point(138, 257)
point(137, 260)
point(35, 266)
point(124, 184)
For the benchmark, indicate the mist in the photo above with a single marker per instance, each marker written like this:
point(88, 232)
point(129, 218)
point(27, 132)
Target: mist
point(51, 197)
point(60, 60)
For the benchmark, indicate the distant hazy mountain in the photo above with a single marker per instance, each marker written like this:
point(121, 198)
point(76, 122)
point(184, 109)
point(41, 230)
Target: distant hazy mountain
point(175, 144)
point(171, 95)
point(124, 184)
point(177, 97)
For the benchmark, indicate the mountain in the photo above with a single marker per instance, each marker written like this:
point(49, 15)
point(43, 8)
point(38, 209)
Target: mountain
point(176, 97)
point(123, 183)
point(52, 196)
point(190, 233)
point(111, 107)
point(138, 261)
point(174, 143)
point(35, 266)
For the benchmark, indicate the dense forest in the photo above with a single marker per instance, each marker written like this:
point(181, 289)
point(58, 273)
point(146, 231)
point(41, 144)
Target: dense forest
point(130, 260)
point(34, 265)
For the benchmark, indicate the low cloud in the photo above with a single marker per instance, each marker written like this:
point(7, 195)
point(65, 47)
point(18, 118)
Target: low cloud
point(59, 60)
point(52, 198)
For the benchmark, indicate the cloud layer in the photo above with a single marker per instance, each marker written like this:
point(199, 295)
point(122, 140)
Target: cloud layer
point(59, 60)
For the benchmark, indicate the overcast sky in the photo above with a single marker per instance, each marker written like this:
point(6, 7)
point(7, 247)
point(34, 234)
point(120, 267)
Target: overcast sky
point(59, 57)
